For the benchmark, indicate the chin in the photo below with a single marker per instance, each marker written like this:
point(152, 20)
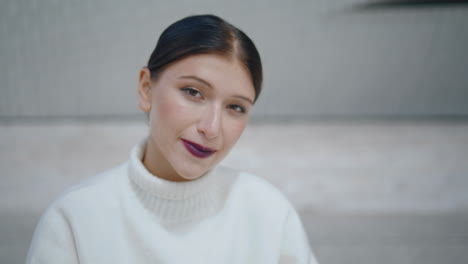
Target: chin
point(194, 169)
point(190, 173)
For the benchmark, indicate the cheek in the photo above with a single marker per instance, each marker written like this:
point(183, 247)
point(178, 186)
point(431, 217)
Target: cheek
point(173, 114)
point(233, 131)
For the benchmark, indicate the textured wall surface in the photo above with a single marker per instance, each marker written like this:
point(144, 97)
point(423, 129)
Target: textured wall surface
point(321, 58)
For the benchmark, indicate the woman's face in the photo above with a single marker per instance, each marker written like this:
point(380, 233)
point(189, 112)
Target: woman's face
point(198, 108)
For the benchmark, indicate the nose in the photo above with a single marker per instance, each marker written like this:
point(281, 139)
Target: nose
point(210, 122)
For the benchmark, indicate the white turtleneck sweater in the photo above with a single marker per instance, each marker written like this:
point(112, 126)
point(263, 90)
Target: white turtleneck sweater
point(127, 215)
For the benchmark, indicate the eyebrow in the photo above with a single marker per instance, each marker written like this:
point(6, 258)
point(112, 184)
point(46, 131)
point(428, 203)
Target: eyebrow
point(244, 98)
point(209, 85)
point(197, 79)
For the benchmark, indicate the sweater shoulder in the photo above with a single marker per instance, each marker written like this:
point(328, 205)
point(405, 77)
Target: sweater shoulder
point(258, 191)
point(97, 189)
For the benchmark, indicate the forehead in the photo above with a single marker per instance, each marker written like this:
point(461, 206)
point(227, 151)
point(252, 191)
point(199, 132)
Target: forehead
point(225, 74)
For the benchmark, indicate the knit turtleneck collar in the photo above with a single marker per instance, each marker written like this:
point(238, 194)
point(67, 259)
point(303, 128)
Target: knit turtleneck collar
point(176, 201)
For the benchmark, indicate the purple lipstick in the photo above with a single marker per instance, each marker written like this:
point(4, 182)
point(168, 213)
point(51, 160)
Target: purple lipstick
point(197, 150)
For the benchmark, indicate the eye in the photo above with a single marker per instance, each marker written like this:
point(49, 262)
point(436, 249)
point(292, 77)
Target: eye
point(191, 92)
point(237, 108)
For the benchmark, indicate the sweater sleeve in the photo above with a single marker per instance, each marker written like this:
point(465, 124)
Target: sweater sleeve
point(53, 240)
point(295, 247)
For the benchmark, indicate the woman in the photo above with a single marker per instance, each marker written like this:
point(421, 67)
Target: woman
point(170, 203)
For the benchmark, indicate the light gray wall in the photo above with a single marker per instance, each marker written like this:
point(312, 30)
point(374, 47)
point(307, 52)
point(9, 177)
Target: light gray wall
point(321, 58)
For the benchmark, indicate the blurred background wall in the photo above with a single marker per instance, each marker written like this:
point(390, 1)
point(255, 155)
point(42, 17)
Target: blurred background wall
point(321, 58)
point(364, 113)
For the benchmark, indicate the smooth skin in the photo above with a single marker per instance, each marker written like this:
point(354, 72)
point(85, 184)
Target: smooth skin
point(205, 99)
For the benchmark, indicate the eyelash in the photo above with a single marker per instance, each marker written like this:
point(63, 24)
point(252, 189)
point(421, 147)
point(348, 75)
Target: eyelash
point(191, 91)
point(240, 108)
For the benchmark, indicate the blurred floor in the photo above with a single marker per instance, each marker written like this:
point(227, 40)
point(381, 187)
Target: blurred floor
point(368, 192)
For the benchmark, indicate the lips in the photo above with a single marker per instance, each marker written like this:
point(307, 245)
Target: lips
point(197, 150)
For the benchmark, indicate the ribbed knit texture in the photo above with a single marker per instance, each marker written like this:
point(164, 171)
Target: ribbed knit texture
point(176, 201)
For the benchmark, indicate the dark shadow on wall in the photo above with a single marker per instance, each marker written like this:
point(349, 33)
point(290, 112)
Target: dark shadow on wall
point(404, 4)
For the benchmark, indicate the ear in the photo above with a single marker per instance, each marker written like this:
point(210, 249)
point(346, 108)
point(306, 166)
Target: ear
point(144, 90)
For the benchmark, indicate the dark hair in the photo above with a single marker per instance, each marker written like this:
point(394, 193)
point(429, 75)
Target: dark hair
point(203, 34)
